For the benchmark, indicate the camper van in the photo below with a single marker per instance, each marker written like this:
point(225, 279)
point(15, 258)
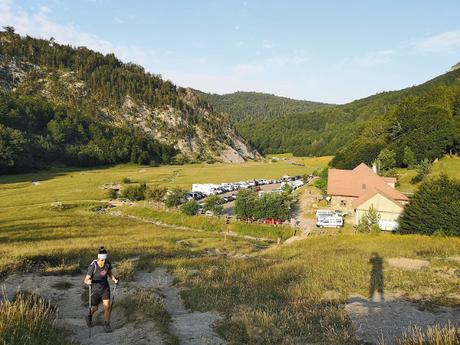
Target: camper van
point(323, 214)
point(330, 222)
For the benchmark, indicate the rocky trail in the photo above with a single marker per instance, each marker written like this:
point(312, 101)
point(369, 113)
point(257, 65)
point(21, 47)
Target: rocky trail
point(385, 321)
point(66, 292)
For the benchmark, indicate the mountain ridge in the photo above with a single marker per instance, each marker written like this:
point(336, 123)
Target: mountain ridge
point(114, 95)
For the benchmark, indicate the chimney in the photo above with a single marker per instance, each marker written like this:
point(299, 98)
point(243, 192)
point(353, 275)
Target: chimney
point(374, 168)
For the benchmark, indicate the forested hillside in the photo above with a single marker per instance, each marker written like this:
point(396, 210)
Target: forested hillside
point(256, 106)
point(75, 106)
point(424, 118)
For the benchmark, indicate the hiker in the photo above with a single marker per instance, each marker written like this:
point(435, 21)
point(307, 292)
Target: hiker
point(96, 277)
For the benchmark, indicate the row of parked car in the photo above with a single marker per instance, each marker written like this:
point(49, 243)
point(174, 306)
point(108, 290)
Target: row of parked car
point(207, 189)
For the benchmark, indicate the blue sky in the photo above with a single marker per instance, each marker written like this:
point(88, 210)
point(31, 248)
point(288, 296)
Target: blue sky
point(329, 51)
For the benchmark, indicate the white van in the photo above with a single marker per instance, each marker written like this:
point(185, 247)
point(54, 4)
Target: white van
point(330, 222)
point(324, 213)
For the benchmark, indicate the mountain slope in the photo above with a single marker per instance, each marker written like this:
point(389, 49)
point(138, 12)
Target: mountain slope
point(112, 94)
point(256, 106)
point(368, 124)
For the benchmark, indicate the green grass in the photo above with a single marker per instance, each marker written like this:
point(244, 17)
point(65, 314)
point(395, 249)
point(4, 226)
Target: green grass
point(298, 291)
point(291, 293)
point(448, 165)
point(212, 224)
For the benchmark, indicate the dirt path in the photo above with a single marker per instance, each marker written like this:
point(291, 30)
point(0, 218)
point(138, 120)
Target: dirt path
point(385, 321)
point(190, 328)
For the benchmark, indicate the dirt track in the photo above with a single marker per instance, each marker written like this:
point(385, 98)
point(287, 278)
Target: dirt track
point(191, 328)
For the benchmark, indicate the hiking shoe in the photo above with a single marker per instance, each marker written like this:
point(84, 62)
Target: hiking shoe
point(107, 328)
point(89, 320)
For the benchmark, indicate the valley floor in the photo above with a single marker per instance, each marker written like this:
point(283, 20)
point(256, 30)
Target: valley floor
point(249, 291)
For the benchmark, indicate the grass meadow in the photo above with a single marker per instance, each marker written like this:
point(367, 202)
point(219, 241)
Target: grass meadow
point(448, 165)
point(285, 294)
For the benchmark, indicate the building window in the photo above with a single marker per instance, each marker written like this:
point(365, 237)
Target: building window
point(343, 203)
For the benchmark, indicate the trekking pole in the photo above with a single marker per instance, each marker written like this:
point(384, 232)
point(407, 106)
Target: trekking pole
point(90, 316)
point(113, 298)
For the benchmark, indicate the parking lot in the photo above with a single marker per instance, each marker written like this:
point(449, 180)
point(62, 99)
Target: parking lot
point(228, 206)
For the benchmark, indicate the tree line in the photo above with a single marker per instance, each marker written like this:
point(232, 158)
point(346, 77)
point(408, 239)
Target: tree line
point(35, 133)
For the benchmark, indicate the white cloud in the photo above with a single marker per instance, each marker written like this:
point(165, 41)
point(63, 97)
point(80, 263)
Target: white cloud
point(441, 42)
point(267, 44)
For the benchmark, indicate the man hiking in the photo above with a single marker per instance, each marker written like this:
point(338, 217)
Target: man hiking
point(96, 277)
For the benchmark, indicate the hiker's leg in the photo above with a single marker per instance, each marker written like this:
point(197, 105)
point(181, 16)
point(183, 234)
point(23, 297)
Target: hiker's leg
point(94, 309)
point(106, 303)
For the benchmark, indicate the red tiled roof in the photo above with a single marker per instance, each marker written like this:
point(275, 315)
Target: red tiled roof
point(359, 182)
point(366, 196)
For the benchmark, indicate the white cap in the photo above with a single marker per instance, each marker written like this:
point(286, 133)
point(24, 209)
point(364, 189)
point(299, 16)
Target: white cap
point(102, 256)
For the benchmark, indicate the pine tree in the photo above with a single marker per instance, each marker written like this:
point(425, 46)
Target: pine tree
point(435, 207)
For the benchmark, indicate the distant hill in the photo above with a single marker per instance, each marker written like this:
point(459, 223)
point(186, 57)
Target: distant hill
point(256, 106)
point(72, 105)
point(426, 118)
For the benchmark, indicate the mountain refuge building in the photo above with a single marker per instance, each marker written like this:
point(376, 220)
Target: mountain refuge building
point(355, 191)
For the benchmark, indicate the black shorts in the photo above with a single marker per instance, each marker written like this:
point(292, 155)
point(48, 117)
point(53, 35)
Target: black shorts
point(99, 294)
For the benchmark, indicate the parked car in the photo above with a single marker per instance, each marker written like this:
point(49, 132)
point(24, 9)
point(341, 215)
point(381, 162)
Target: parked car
point(272, 221)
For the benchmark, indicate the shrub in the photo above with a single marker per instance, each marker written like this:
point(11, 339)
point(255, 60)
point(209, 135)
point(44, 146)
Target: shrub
point(135, 192)
point(409, 158)
point(190, 208)
point(175, 197)
point(112, 193)
point(126, 180)
point(369, 222)
point(156, 193)
point(435, 207)
point(126, 269)
point(321, 183)
point(423, 170)
point(214, 203)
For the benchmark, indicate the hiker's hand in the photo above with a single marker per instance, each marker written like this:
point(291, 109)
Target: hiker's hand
point(115, 280)
point(88, 281)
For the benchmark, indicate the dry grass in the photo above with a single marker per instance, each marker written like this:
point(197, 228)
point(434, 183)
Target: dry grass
point(28, 320)
point(148, 305)
point(435, 335)
point(126, 269)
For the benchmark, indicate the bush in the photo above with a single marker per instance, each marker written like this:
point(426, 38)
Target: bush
point(126, 180)
point(435, 207)
point(190, 208)
point(214, 203)
point(423, 170)
point(409, 159)
point(321, 183)
point(135, 192)
point(175, 197)
point(369, 222)
point(112, 193)
point(126, 270)
point(156, 193)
